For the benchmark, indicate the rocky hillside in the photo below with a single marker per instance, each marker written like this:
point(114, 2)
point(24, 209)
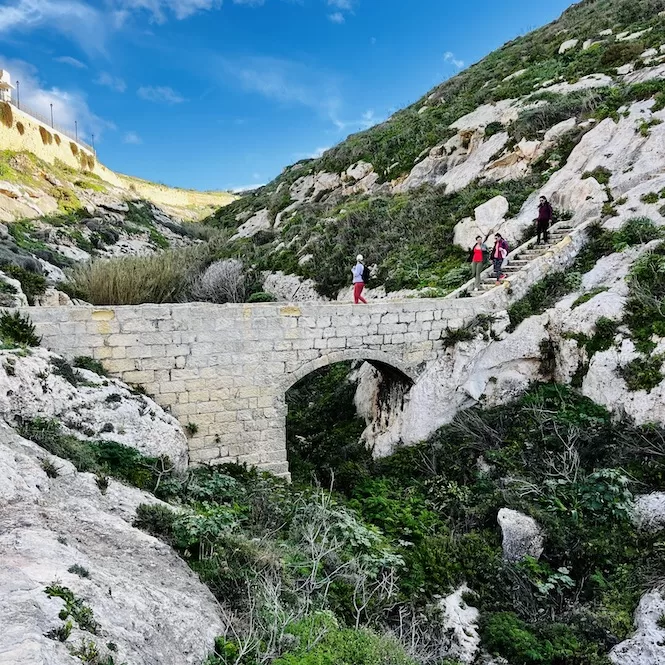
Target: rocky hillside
point(573, 110)
point(54, 217)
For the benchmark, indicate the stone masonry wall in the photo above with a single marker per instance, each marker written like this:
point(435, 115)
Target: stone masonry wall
point(226, 368)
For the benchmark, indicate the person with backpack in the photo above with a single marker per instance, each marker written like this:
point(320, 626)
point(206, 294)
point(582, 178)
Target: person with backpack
point(361, 276)
point(499, 254)
point(545, 215)
point(477, 257)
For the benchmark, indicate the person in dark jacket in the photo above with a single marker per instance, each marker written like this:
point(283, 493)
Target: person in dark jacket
point(545, 214)
point(499, 254)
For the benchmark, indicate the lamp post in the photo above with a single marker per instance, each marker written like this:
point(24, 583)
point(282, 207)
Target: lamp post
point(18, 94)
point(93, 144)
point(76, 129)
point(51, 116)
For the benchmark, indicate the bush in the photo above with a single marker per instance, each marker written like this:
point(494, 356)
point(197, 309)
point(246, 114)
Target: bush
point(222, 282)
point(20, 127)
point(360, 647)
point(651, 197)
point(86, 362)
point(33, 284)
point(543, 295)
point(134, 280)
point(57, 139)
point(18, 329)
point(261, 296)
point(643, 373)
point(74, 148)
point(600, 173)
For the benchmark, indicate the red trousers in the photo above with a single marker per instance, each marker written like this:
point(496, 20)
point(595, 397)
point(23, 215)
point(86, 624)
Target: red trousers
point(358, 293)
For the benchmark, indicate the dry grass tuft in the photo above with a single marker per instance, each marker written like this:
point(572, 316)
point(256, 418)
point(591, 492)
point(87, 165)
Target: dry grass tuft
point(57, 139)
point(134, 280)
point(74, 148)
point(47, 137)
point(21, 128)
point(6, 115)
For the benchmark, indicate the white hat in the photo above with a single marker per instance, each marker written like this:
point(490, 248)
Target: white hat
point(359, 257)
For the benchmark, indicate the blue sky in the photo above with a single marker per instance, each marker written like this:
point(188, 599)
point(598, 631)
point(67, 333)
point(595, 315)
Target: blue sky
point(217, 95)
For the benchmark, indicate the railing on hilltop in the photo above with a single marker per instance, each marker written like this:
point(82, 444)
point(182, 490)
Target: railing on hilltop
point(25, 108)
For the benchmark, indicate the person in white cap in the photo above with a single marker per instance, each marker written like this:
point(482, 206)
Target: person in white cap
point(359, 277)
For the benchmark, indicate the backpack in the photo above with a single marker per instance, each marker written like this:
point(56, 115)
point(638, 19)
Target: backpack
point(366, 274)
point(504, 245)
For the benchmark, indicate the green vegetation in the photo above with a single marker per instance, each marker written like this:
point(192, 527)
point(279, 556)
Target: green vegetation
point(17, 329)
point(85, 362)
point(134, 280)
point(33, 284)
point(104, 458)
point(600, 173)
point(543, 295)
point(643, 373)
point(74, 609)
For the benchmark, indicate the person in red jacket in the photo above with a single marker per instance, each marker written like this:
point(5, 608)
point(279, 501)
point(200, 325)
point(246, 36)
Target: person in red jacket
point(545, 214)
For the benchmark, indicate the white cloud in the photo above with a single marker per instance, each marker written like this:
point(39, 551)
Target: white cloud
point(160, 94)
point(68, 106)
point(449, 57)
point(346, 5)
point(72, 62)
point(74, 19)
point(337, 17)
point(160, 9)
point(115, 83)
point(250, 3)
point(245, 188)
point(132, 138)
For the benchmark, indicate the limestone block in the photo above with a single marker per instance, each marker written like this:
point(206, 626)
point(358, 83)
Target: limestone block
point(522, 536)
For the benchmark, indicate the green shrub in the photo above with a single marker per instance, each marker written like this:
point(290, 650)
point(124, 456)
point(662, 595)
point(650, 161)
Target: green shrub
point(344, 645)
point(92, 365)
point(103, 458)
point(651, 197)
point(589, 296)
point(600, 173)
point(157, 520)
point(18, 329)
point(76, 569)
point(261, 296)
point(643, 373)
point(543, 295)
point(32, 283)
point(74, 607)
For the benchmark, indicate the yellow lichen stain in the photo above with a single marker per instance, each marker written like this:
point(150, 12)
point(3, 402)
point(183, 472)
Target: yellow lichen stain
point(290, 310)
point(104, 328)
point(246, 312)
point(103, 315)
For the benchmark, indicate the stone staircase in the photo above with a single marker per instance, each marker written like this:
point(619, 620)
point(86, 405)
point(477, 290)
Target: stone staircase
point(520, 259)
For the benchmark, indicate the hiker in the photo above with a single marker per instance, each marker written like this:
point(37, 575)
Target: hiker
point(477, 257)
point(499, 254)
point(360, 277)
point(545, 214)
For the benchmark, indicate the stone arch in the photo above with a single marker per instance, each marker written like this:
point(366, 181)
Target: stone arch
point(379, 358)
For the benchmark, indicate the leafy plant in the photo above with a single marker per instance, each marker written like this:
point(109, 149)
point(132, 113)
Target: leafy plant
point(18, 329)
point(92, 365)
point(74, 607)
point(643, 373)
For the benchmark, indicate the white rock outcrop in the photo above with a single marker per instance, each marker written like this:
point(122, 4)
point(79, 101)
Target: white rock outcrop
point(649, 512)
point(460, 621)
point(488, 218)
point(32, 386)
point(258, 222)
point(647, 645)
point(143, 596)
point(522, 537)
point(568, 45)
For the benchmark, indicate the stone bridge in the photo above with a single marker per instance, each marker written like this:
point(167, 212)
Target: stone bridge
point(227, 368)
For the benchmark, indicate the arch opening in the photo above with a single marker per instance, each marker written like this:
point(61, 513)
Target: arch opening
point(340, 416)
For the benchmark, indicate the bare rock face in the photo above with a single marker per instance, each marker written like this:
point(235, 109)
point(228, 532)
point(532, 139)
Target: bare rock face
point(647, 645)
point(489, 218)
point(649, 512)
point(461, 624)
point(97, 408)
point(290, 288)
point(144, 598)
point(258, 222)
point(522, 537)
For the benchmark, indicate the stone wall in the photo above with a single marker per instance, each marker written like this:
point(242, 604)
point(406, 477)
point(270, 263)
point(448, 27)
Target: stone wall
point(226, 368)
point(31, 141)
